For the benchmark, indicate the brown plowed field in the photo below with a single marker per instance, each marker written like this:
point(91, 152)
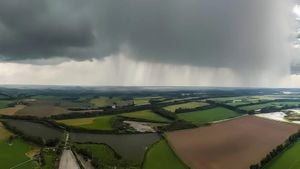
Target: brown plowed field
point(234, 144)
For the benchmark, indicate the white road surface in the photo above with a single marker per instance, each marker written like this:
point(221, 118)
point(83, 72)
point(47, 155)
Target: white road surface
point(68, 160)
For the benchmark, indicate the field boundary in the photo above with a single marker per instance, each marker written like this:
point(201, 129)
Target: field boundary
point(277, 156)
point(172, 148)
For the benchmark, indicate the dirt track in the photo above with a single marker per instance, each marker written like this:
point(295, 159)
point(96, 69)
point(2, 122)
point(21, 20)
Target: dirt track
point(234, 144)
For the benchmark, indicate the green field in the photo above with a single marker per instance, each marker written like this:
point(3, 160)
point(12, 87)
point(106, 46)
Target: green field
point(161, 156)
point(144, 100)
point(271, 104)
point(106, 101)
point(103, 154)
point(146, 115)
point(209, 115)
point(5, 103)
point(178, 99)
point(97, 123)
point(189, 105)
point(49, 159)
point(15, 154)
point(289, 159)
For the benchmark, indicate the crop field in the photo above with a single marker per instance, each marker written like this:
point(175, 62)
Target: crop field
point(103, 153)
point(34, 129)
point(15, 154)
point(98, 123)
point(131, 147)
point(209, 115)
point(11, 110)
point(238, 101)
point(288, 159)
point(146, 115)
point(178, 99)
point(242, 142)
point(64, 102)
point(271, 104)
point(161, 156)
point(49, 157)
point(189, 105)
point(106, 101)
point(144, 100)
point(4, 134)
point(41, 109)
point(5, 103)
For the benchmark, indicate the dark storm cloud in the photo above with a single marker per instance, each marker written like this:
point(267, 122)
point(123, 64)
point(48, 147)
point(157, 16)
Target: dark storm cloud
point(41, 29)
point(239, 34)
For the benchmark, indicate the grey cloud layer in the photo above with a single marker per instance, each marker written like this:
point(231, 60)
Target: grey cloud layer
point(239, 34)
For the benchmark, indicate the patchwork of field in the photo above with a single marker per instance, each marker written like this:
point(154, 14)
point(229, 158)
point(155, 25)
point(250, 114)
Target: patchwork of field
point(131, 147)
point(161, 156)
point(97, 123)
point(41, 109)
point(15, 154)
point(104, 155)
point(271, 104)
point(11, 110)
point(238, 101)
point(144, 100)
point(189, 105)
point(242, 142)
point(209, 115)
point(64, 101)
point(288, 159)
point(5, 103)
point(106, 101)
point(146, 115)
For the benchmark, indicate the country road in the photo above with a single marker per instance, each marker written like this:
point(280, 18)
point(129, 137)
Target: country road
point(68, 159)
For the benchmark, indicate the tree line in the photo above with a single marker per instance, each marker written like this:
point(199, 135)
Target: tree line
point(275, 152)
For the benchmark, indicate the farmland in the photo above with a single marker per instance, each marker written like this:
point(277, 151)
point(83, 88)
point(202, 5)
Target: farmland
point(98, 123)
point(146, 115)
point(271, 104)
point(106, 101)
point(288, 159)
point(144, 100)
point(148, 130)
point(209, 115)
point(11, 110)
point(4, 134)
point(15, 154)
point(41, 109)
point(5, 103)
point(188, 105)
point(163, 153)
point(131, 147)
point(243, 138)
point(102, 154)
point(49, 159)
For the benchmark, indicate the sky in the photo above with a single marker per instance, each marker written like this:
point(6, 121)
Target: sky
point(150, 43)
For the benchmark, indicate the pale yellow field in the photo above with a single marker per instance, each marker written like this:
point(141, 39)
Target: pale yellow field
point(4, 134)
point(188, 105)
point(11, 110)
point(34, 151)
point(78, 122)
